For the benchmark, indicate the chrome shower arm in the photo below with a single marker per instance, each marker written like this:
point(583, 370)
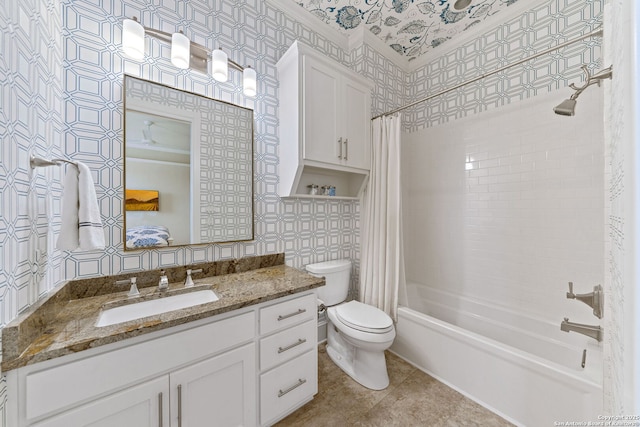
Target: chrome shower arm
point(607, 73)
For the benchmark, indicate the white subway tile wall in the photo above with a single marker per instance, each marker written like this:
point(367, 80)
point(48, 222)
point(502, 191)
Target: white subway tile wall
point(507, 206)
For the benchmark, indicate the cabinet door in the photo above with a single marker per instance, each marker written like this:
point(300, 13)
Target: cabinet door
point(357, 124)
point(321, 120)
point(220, 391)
point(143, 405)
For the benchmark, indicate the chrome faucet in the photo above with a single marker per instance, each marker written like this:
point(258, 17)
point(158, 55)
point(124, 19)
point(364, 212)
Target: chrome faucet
point(591, 331)
point(594, 299)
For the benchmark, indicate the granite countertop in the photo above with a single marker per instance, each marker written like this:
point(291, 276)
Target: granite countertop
point(68, 326)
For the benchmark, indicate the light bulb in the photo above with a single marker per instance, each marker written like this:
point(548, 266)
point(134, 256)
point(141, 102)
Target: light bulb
point(180, 50)
point(219, 65)
point(133, 38)
point(249, 81)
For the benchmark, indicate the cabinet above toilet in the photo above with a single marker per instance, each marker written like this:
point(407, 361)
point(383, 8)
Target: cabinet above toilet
point(325, 112)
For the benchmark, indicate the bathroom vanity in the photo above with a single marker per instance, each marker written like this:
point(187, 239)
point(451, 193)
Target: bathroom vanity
point(249, 358)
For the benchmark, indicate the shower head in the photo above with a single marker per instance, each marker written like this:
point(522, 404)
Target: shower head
point(566, 107)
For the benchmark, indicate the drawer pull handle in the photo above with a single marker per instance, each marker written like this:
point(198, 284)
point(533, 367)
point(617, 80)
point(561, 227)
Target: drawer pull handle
point(180, 405)
point(160, 411)
point(289, 347)
point(286, 316)
point(293, 387)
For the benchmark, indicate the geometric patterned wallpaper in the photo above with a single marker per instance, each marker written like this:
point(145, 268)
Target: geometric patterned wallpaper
point(61, 77)
point(226, 206)
point(31, 120)
point(537, 29)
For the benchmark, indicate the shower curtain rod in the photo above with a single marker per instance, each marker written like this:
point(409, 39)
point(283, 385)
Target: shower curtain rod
point(596, 33)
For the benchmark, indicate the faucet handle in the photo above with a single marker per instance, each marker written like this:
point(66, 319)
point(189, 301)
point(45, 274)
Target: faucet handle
point(188, 283)
point(133, 291)
point(570, 294)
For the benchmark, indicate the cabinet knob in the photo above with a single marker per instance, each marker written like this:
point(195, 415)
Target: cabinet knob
point(340, 148)
point(346, 148)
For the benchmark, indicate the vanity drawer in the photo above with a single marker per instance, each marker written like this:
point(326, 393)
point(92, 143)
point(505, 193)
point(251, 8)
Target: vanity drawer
point(287, 387)
point(288, 313)
point(287, 344)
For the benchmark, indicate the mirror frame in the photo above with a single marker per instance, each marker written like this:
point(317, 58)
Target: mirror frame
point(124, 158)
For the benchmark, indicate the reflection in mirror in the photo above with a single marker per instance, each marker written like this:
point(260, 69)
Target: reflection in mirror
point(188, 168)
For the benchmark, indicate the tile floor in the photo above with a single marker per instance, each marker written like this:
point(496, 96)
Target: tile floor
point(413, 398)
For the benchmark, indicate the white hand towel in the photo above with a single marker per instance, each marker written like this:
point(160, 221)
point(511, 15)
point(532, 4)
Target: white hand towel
point(81, 222)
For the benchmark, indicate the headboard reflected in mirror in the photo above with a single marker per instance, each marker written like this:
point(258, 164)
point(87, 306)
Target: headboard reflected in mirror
point(192, 157)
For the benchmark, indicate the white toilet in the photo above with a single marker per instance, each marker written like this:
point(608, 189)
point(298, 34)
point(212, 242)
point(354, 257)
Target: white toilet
point(358, 334)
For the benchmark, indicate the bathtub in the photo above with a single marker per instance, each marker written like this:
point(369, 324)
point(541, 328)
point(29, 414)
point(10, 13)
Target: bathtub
point(535, 380)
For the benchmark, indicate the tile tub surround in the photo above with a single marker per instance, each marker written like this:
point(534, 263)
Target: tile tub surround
point(70, 325)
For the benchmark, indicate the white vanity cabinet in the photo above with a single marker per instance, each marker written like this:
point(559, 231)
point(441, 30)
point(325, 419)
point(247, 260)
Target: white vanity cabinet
point(288, 357)
point(141, 405)
point(325, 124)
point(218, 391)
point(197, 374)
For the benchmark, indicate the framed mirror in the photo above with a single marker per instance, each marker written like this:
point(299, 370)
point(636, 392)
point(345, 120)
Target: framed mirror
point(188, 168)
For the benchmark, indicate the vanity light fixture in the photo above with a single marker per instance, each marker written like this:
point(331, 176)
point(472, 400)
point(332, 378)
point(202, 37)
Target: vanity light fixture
point(133, 38)
point(249, 81)
point(180, 50)
point(219, 65)
point(186, 54)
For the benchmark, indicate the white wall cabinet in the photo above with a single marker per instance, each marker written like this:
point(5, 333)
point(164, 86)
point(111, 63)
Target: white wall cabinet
point(336, 110)
point(325, 113)
point(194, 375)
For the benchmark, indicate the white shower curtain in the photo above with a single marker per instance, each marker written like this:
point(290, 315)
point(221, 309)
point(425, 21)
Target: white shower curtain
point(382, 263)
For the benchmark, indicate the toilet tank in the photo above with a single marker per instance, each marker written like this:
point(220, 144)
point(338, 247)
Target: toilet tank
point(336, 274)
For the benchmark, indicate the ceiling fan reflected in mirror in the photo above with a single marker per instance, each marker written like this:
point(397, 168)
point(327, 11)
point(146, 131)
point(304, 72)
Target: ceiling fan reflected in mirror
point(147, 137)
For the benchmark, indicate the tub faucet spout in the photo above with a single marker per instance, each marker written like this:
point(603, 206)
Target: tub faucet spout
point(591, 331)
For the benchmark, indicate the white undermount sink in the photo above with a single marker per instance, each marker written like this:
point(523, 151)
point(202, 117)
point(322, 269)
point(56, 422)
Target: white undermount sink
point(154, 307)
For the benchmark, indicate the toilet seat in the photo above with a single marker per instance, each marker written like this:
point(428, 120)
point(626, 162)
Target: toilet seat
point(363, 317)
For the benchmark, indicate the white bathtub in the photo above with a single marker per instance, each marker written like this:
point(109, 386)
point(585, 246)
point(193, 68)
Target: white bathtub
point(534, 381)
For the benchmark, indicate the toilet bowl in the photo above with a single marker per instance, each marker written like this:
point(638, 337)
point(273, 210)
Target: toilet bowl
point(358, 334)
